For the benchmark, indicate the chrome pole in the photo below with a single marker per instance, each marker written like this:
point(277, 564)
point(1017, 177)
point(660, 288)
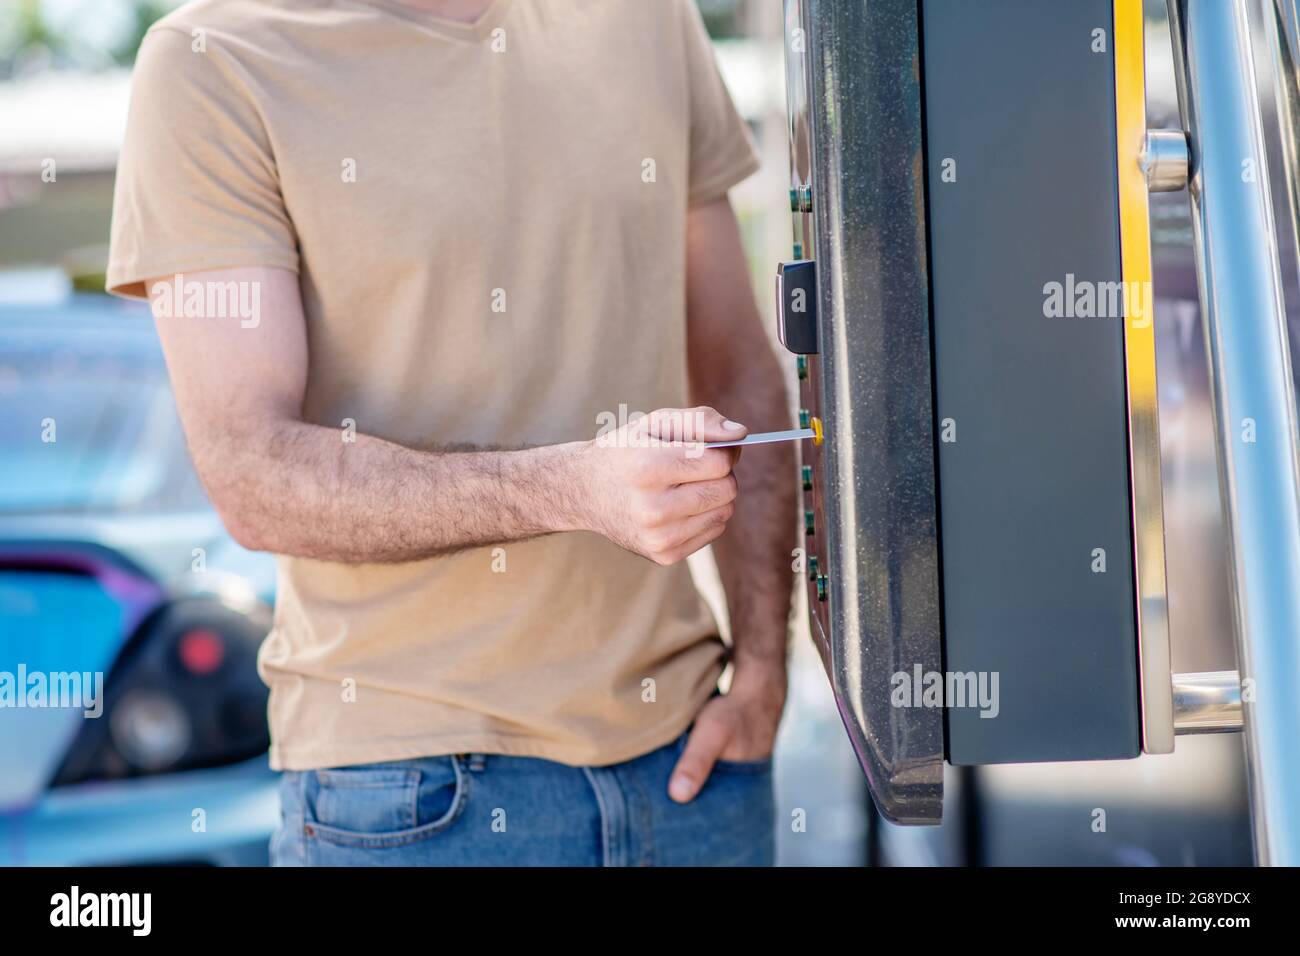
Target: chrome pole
point(1254, 401)
point(1282, 23)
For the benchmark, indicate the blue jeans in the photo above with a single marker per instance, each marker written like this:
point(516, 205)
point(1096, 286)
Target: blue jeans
point(488, 810)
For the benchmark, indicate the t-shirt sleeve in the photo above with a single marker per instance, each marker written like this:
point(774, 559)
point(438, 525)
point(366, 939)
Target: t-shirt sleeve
point(196, 184)
point(722, 153)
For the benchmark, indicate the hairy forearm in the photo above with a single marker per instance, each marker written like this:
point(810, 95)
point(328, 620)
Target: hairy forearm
point(754, 554)
point(294, 488)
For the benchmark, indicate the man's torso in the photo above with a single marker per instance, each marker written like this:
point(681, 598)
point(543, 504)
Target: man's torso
point(490, 222)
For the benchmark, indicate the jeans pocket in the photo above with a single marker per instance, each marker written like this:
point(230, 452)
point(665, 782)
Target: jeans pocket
point(379, 806)
point(762, 765)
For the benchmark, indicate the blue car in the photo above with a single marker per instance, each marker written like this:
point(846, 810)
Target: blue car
point(132, 720)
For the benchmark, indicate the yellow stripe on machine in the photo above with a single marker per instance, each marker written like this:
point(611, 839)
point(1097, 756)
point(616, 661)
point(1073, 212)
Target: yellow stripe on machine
point(1140, 365)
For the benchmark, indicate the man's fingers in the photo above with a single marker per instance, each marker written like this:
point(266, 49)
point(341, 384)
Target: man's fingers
point(707, 740)
point(697, 497)
point(712, 533)
point(697, 463)
point(685, 535)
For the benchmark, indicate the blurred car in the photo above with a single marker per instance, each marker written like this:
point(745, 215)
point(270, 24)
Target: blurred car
point(132, 720)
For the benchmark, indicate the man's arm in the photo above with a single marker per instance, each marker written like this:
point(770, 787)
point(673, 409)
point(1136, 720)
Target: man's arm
point(285, 485)
point(732, 365)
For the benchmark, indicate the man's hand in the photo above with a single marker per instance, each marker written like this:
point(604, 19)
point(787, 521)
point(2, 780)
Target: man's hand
point(740, 726)
point(654, 489)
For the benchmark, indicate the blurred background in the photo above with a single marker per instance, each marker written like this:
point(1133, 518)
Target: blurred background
point(112, 560)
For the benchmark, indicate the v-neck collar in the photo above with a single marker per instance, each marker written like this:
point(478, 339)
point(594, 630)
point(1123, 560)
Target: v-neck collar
point(473, 31)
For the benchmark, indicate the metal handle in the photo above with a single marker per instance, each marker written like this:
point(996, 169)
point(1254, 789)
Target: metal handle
point(1208, 703)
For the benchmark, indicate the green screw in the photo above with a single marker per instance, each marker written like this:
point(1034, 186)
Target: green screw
point(805, 418)
point(812, 568)
point(809, 523)
point(807, 477)
point(801, 366)
point(823, 587)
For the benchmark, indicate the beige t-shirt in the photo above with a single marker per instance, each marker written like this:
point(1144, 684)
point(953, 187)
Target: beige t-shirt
point(488, 221)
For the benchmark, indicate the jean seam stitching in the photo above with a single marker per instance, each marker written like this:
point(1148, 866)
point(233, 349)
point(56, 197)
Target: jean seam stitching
point(605, 837)
point(645, 836)
point(301, 821)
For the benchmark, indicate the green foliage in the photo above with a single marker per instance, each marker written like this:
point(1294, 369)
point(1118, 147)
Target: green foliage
point(26, 36)
point(145, 12)
point(30, 32)
point(721, 17)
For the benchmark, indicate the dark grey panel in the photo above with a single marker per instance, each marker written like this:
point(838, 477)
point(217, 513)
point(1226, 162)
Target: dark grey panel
point(875, 480)
point(1038, 475)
